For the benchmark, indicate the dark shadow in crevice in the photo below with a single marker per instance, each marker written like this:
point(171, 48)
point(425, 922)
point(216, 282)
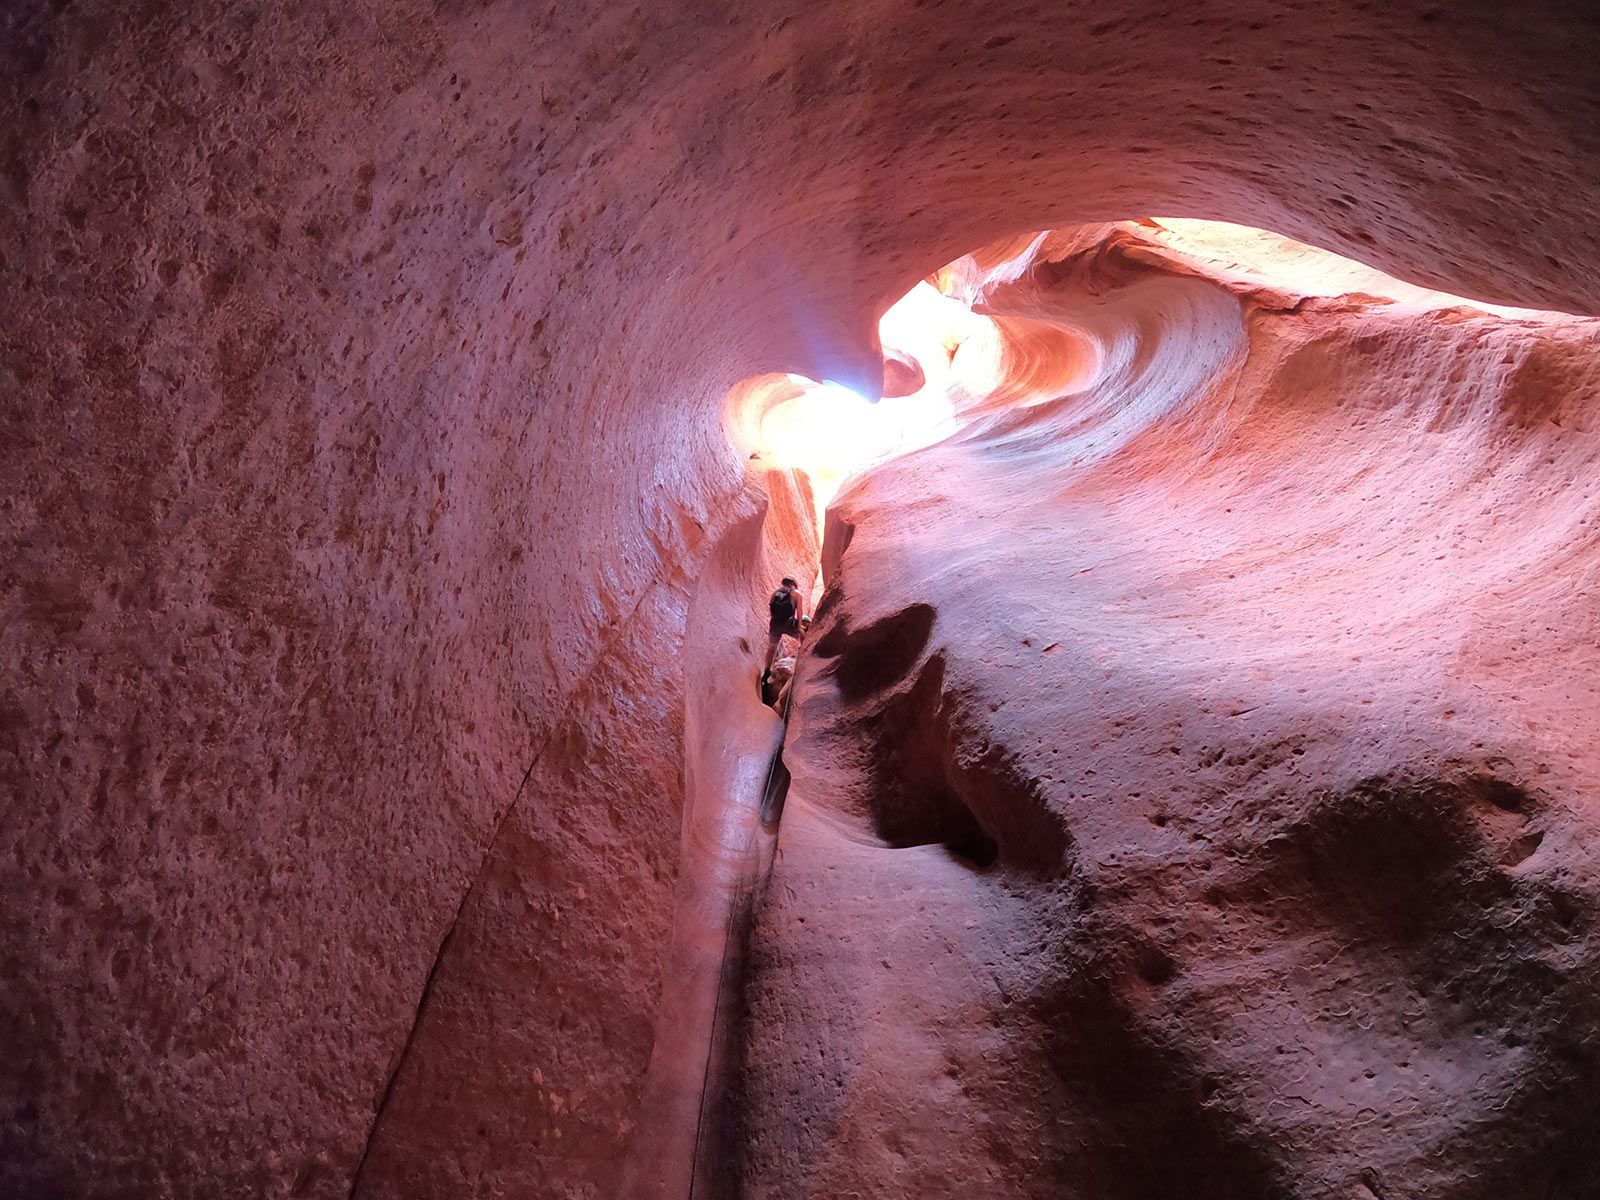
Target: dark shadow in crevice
point(877, 656)
point(773, 795)
point(909, 800)
point(932, 780)
point(979, 851)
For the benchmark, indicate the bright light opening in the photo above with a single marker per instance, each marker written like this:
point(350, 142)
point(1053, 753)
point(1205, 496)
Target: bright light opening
point(973, 367)
point(830, 432)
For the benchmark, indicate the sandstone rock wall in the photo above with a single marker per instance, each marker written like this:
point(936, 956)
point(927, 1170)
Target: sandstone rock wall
point(1193, 775)
point(360, 374)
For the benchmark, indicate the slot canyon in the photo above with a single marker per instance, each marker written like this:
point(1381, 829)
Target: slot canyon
point(1183, 417)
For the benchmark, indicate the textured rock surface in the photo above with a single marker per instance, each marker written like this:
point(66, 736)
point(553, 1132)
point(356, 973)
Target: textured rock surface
point(504, 1081)
point(1193, 775)
point(360, 381)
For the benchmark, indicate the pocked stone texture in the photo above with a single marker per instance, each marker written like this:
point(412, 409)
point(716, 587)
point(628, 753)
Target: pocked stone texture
point(362, 370)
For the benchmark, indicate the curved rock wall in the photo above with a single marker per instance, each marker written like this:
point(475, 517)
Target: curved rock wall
point(1193, 774)
point(360, 374)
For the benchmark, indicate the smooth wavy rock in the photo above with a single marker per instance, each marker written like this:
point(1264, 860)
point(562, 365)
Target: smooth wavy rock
point(1193, 773)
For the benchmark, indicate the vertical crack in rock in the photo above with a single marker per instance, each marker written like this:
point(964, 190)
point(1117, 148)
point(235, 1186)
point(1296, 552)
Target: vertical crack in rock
point(433, 973)
point(577, 697)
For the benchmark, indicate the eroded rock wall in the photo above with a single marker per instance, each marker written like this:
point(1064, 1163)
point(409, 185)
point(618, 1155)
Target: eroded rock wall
point(1193, 775)
point(360, 373)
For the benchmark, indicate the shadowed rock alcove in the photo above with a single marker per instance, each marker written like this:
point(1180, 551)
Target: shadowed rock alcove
point(380, 603)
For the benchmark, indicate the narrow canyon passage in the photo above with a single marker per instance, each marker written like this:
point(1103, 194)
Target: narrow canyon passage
point(1181, 807)
point(1193, 759)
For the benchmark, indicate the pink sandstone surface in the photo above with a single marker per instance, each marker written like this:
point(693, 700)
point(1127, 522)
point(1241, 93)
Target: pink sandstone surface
point(379, 592)
point(1192, 772)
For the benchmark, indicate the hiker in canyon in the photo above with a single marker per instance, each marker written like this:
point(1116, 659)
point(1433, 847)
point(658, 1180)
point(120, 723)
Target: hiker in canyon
point(784, 617)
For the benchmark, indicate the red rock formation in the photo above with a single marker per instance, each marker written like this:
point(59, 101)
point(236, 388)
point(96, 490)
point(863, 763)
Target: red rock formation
point(1191, 776)
point(361, 370)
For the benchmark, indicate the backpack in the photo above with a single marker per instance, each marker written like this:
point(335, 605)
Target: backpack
point(781, 606)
